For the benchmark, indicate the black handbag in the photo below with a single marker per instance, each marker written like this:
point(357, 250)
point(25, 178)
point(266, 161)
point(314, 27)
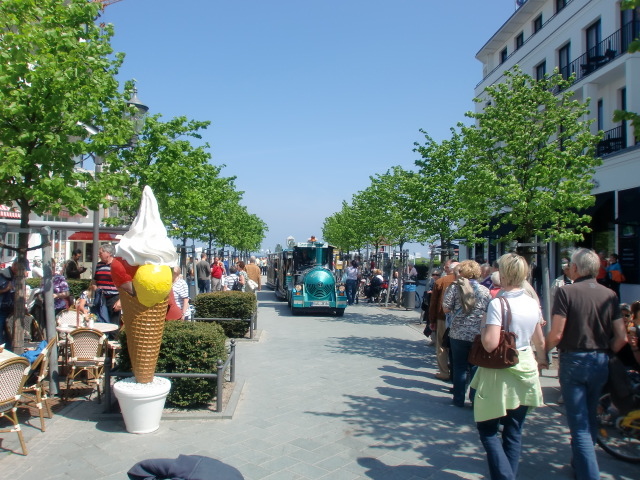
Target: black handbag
point(506, 354)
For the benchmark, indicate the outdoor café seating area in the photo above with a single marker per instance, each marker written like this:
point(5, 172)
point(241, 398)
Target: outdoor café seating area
point(78, 351)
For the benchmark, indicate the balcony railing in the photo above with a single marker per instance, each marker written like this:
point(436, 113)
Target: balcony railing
point(601, 54)
point(613, 141)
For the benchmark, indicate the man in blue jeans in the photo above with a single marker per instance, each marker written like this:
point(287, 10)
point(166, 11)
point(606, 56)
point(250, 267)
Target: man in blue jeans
point(586, 327)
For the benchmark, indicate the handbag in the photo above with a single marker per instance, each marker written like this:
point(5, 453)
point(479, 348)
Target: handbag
point(506, 354)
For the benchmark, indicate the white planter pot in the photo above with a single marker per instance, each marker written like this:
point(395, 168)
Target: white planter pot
point(142, 403)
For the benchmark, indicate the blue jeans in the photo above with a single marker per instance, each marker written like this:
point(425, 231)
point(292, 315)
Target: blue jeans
point(463, 371)
point(351, 287)
point(503, 456)
point(582, 376)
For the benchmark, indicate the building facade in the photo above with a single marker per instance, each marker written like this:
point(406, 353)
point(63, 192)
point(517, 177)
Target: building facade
point(588, 39)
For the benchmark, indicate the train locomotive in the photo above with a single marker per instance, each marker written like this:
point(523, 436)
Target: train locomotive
point(303, 275)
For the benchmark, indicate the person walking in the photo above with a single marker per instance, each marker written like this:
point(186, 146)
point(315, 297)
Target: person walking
point(254, 273)
point(243, 277)
point(351, 284)
point(587, 326)
point(203, 270)
point(503, 396)
point(437, 319)
point(467, 301)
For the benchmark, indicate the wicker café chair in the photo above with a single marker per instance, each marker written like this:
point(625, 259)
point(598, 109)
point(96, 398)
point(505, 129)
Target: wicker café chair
point(35, 391)
point(86, 354)
point(13, 374)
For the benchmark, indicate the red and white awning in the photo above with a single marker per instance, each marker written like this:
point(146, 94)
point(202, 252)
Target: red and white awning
point(6, 212)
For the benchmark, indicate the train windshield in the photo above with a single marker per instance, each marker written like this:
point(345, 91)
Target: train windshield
point(311, 256)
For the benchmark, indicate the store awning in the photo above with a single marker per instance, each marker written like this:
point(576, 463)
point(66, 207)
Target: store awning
point(6, 212)
point(88, 236)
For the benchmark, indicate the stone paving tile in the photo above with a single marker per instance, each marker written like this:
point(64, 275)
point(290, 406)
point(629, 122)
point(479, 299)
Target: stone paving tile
point(307, 471)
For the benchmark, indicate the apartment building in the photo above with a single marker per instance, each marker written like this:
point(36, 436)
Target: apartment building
point(588, 39)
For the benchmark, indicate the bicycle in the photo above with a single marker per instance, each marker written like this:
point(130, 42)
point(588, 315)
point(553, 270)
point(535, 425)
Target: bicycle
point(619, 433)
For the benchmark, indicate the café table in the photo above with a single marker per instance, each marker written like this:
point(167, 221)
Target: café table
point(103, 327)
point(6, 355)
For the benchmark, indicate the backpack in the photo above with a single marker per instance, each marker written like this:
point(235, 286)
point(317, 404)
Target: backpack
point(237, 286)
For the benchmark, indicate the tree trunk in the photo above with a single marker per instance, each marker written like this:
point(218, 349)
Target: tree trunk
point(17, 341)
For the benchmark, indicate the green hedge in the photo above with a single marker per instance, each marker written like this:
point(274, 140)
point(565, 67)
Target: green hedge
point(76, 287)
point(187, 347)
point(227, 304)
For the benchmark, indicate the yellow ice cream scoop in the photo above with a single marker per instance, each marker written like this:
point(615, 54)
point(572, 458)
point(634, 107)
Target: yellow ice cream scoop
point(152, 283)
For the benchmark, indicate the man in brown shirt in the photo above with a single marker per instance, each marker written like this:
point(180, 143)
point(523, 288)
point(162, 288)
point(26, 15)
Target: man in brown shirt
point(253, 271)
point(587, 326)
point(437, 319)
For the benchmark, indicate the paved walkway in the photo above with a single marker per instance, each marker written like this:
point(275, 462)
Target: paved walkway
point(322, 398)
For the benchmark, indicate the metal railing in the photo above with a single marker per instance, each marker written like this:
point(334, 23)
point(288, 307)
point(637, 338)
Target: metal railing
point(253, 321)
point(613, 141)
point(597, 57)
point(533, 34)
point(219, 376)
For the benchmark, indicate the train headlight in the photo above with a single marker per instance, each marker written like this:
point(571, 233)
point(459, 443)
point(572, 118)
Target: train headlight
point(341, 289)
point(298, 289)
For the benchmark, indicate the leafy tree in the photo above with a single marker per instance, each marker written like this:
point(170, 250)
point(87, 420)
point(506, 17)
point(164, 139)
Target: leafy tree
point(58, 71)
point(528, 162)
point(342, 229)
point(392, 193)
point(435, 200)
point(634, 46)
point(166, 160)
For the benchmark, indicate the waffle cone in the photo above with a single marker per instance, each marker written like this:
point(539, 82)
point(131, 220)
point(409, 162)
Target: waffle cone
point(144, 326)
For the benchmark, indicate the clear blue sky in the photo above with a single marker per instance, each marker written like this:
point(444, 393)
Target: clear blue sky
point(307, 98)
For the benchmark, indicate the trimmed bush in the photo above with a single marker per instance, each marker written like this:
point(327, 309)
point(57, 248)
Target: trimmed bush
point(227, 304)
point(187, 347)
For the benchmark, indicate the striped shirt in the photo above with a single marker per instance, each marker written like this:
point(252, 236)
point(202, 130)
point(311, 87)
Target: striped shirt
point(180, 292)
point(103, 279)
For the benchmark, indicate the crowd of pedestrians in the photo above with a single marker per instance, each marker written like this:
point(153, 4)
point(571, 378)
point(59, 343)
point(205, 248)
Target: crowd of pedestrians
point(217, 275)
point(102, 297)
point(588, 325)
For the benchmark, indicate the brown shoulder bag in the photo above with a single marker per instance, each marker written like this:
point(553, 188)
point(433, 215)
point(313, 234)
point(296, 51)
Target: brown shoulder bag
point(506, 354)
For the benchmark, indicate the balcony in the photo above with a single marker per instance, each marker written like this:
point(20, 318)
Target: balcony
point(614, 140)
point(601, 54)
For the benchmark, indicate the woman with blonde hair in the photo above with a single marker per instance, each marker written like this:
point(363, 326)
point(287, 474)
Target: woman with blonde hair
point(465, 301)
point(503, 396)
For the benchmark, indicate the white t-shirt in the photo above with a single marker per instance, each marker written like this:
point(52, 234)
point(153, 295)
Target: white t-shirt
point(525, 315)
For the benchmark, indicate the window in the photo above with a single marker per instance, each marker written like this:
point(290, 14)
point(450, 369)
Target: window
point(600, 119)
point(541, 70)
point(519, 40)
point(593, 40)
point(564, 59)
point(503, 55)
point(560, 4)
point(537, 23)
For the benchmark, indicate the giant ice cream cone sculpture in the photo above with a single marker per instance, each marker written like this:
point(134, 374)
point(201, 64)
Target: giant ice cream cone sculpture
point(144, 259)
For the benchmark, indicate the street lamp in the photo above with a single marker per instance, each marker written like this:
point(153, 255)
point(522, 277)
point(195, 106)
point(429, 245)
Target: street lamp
point(137, 120)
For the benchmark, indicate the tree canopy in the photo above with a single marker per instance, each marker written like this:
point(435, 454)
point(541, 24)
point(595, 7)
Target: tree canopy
point(528, 161)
